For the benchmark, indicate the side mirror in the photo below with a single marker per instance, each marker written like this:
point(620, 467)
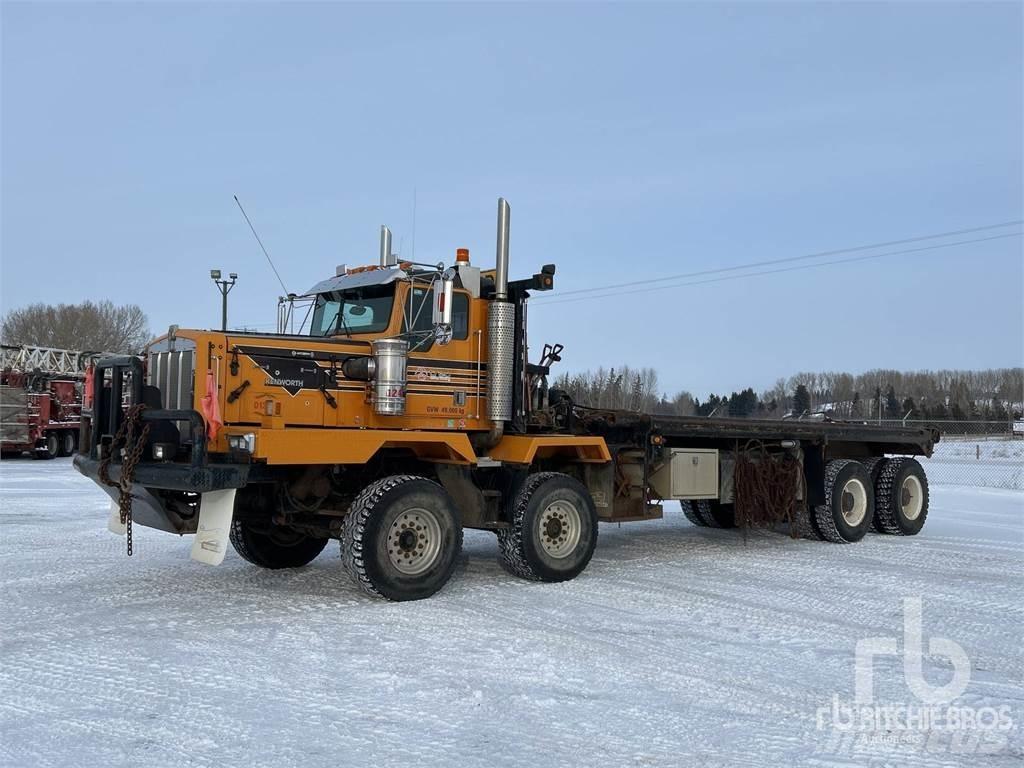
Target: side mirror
point(443, 292)
point(443, 296)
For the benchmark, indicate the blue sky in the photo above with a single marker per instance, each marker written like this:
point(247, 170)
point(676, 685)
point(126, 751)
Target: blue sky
point(631, 141)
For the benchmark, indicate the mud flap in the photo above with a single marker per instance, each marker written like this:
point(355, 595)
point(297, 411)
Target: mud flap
point(215, 511)
point(114, 524)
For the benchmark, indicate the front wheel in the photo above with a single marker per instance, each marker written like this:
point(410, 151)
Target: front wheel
point(552, 531)
point(401, 538)
point(273, 546)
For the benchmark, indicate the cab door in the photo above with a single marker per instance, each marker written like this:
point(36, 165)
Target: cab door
point(446, 384)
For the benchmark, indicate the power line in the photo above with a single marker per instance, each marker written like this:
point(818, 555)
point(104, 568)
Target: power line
point(269, 260)
point(776, 271)
point(770, 262)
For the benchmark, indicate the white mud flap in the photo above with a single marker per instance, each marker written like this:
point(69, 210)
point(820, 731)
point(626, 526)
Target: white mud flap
point(215, 511)
point(114, 524)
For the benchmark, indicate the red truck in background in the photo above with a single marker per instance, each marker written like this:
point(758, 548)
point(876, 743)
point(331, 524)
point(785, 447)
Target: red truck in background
point(40, 400)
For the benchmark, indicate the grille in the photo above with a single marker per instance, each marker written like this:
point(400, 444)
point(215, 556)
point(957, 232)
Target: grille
point(173, 373)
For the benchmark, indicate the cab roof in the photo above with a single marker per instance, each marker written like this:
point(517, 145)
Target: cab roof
point(362, 278)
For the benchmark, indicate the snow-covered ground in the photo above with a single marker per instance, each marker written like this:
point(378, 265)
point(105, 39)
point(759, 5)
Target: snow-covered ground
point(678, 646)
point(992, 463)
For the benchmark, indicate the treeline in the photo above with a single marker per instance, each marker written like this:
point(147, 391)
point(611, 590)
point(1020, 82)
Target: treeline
point(94, 326)
point(989, 395)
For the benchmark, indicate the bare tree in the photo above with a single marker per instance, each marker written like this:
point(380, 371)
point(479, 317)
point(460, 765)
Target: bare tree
point(100, 327)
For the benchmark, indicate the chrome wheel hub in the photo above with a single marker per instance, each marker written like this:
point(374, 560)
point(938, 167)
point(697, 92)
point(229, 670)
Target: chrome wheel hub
point(414, 541)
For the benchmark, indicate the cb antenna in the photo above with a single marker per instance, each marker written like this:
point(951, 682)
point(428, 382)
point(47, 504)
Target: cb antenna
point(262, 247)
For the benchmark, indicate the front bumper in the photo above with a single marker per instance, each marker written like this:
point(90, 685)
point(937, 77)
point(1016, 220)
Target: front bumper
point(154, 501)
point(164, 493)
point(170, 476)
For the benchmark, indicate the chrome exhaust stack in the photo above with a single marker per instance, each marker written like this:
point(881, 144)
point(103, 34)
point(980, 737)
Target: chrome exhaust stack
point(501, 258)
point(385, 246)
point(501, 323)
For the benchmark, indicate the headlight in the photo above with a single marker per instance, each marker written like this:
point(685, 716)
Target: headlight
point(246, 442)
point(164, 451)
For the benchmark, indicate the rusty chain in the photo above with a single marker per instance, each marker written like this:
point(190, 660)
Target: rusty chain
point(766, 486)
point(133, 448)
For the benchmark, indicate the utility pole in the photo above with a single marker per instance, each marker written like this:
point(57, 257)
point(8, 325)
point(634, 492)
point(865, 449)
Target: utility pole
point(224, 286)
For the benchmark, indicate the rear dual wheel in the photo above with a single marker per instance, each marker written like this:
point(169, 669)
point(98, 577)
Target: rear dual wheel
point(849, 504)
point(48, 446)
point(708, 513)
point(67, 443)
point(901, 497)
point(552, 529)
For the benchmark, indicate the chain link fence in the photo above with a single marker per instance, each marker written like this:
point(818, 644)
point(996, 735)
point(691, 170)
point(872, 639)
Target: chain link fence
point(987, 454)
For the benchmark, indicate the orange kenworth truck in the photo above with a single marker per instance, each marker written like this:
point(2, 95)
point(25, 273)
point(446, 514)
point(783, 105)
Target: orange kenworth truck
point(409, 410)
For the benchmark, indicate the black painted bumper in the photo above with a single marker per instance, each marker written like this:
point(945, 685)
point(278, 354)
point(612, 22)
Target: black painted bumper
point(170, 476)
point(155, 509)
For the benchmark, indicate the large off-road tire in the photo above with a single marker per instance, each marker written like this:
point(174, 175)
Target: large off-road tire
point(552, 529)
point(691, 513)
point(401, 538)
point(273, 546)
point(715, 513)
point(849, 502)
point(48, 447)
point(901, 497)
point(874, 466)
point(67, 443)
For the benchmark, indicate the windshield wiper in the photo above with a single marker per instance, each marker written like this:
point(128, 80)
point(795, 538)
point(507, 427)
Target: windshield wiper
point(341, 321)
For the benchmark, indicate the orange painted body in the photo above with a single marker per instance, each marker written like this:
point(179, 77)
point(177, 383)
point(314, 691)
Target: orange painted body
point(446, 397)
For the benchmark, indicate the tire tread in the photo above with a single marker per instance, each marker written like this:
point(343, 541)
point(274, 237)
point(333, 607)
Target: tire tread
point(353, 531)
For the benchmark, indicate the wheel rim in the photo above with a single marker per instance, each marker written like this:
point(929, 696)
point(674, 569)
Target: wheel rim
point(52, 445)
point(911, 498)
point(854, 502)
point(69, 444)
point(414, 541)
point(560, 529)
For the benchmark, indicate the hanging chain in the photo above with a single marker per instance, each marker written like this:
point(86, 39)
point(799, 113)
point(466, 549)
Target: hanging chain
point(133, 448)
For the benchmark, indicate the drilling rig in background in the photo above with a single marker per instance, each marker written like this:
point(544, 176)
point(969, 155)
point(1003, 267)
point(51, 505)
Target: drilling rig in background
point(40, 400)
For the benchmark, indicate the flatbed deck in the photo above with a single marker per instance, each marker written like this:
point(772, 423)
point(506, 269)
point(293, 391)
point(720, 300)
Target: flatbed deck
point(721, 432)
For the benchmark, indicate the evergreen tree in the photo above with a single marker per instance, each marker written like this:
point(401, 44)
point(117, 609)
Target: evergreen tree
point(801, 400)
point(909, 407)
point(892, 405)
point(743, 404)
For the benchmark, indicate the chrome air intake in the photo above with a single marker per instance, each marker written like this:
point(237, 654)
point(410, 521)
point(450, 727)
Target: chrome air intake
point(501, 325)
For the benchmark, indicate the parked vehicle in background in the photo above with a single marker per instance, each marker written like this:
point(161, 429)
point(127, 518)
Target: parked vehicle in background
point(40, 400)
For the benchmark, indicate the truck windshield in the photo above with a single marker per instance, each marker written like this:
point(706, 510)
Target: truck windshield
point(364, 310)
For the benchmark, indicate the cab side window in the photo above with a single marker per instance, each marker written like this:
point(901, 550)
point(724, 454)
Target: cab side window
point(423, 318)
